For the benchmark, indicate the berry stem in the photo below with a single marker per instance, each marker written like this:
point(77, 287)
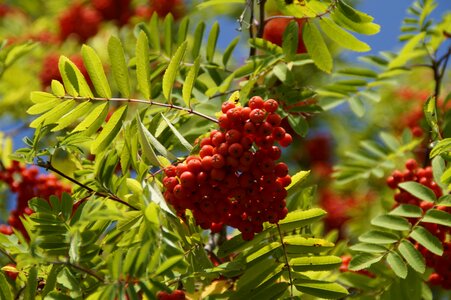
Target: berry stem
point(48, 166)
point(148, 102)
point(287, 264)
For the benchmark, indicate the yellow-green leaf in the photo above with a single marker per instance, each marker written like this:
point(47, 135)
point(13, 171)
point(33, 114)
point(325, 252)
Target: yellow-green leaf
point(142, 64)
point(95, 70)
point(316, 47)
point(171, 71)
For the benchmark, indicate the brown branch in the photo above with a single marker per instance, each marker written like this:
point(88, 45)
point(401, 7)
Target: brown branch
point(48, 166)
point(140, 101)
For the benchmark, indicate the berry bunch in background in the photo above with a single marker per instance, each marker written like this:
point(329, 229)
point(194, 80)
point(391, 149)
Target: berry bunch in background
point(165, 7)
point(79, 21)
point(28, 183)
point(114, 10)
point(175, 295)
point(424, 176)
point(235, 180)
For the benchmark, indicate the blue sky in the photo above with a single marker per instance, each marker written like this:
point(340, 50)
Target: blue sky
point(389, 14)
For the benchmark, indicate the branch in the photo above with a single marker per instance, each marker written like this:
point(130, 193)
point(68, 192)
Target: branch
point(329, 9)
point(148, 102)
point(287, 264)
point(8, 256)
point(48, 166)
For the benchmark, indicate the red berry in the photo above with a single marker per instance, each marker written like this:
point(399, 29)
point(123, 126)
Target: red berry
point(257, 116)
point(270, 105)
point(256, 102)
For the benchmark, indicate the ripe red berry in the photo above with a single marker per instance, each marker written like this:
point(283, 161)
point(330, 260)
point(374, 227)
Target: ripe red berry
point(287, 140)
point(257, 116)
point(270, 105)
point(256, 102)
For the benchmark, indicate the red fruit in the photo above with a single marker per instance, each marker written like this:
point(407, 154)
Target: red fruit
point(187, 179)
point(274, 29)
point(411, 164)
point(226, 106)
point(233, 136)
point(257, 116)
point(12, 274)
point(270, 105)
point(287, 140)
point(256, 102)
point(235, 150)
point(206, 150)
point(281, 169)
point(274, 119)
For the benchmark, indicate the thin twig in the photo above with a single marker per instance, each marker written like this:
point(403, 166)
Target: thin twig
point(148, 102)
point(252, 50)
point(8, 256)
point(286, 260)
point(326, 12)
point(80, 268)
point(50, 167)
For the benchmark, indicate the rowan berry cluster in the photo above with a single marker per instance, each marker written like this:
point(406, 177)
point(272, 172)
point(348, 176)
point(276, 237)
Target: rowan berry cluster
point(235, 180)
point(27, 184)
point(175, 295)
point(80, 21)
point(119, 11)
point(424, 176)
point(165, 7)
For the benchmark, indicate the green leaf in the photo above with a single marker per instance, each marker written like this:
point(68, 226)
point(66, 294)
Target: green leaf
point(168, 264)
point(378, 237)
point(321, 289)
point(418, 190)
point(442, 146)
point(427, 239)
point(406, 52)
point(298, 244)
point(358, 72)
point(42, 97)
point(154, 36)
point(297, 179)
point(73, 115)
point(299, 218)
point(119, 66)
point(52, 116)
point(445, 200)
point(397, 264)
point(229, 50)
point(95, 70)
point(189, 82)
point(171, 71)
point(168, 25)
point(363, 261)
point(212, 41)
point(353, 14)
point(430, 113)
point(391, 222)
point(159, 147)
point(183, 30)
point(407, 211)
point(74, 81)
point(5, 289)
point(197, 43)
point(94, 119)
point(142, 65)
point(342, 37)
point(42, 107)
point(290, 39)
point(180, 137)
point(315, 263)
point(109, 131)
point(263, 252)
point(368, 248)
point(357, 106)
point(437, 217)
point(316, 47)
point(32, 284)
point(413, 257)
point(147, 149)
point(299, 124)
